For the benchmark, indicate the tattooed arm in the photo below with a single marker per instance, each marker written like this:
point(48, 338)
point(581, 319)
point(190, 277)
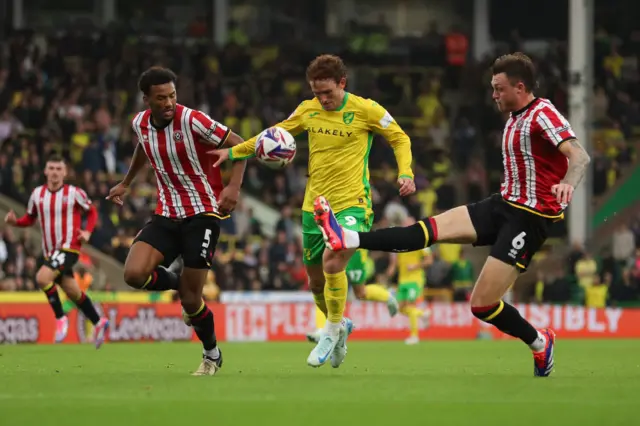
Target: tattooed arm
point(578, 162)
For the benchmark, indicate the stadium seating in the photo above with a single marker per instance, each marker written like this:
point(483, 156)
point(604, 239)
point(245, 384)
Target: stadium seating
point(81, 102)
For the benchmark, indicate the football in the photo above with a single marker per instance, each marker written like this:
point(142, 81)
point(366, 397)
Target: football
point(275, 148)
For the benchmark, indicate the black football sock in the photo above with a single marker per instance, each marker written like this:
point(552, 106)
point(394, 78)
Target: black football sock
point(507, 319)
point(400, 239)
point(162, 279)
point(203, 324)
point(86, 307)
point(54, 300)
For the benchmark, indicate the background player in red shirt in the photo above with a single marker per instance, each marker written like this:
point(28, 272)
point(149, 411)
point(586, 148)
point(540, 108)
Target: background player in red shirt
point(543, 163)
point(191, 201)
point(58, 208)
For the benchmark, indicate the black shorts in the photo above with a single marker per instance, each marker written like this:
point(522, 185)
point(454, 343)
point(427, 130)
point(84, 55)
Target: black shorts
point(515, 234)
point(61, 261)
point(193, 238)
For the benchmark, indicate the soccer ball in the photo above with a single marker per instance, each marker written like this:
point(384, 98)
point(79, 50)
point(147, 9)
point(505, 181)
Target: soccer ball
point(275, 148)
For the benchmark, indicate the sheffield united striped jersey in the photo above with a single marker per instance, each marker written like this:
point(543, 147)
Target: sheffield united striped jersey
point(187, 182)
point(60, 216)
point(532, 161)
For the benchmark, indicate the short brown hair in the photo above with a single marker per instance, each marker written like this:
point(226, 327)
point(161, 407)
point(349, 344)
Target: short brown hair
point(517, 67)
point(55, 158)
point(327, 67)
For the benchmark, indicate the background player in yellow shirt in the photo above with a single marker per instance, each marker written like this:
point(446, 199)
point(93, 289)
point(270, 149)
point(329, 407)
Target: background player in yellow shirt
point(411, 267)
point(340, 127)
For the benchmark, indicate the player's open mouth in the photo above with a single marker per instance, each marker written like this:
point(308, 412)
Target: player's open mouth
point(168, 113)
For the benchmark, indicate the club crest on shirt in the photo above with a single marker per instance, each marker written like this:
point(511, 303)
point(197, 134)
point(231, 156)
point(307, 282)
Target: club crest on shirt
point(177, 136)
point(519, 124)
point(348, 117)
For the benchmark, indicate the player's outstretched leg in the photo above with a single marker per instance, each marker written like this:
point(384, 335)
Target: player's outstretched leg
point(45, 279)
point(452, 226)
point(85, 305)
point(487, 305)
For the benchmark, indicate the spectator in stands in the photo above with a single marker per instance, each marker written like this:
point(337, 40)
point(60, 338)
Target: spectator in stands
point(597, 295)
point(462, 277)
point(553, 287)
point(80, 101)
point(438, 274)
point(285, 223)
point(624, 245)
point(586, 270)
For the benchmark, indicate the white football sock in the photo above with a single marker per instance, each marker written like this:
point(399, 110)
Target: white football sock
point(213, 353)
point(539, 344)
point(333, 328)
point(351, 239)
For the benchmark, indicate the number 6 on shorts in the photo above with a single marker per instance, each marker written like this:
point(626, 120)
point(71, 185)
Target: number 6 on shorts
point(518, 241)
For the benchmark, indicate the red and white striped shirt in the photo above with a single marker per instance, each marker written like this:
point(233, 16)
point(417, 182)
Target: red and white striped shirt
point(60, 216)
point(187, 182)
point(532, 161)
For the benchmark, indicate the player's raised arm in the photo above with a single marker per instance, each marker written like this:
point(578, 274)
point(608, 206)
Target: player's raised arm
point(293, 124)
point(383, 123)
point(29, 217)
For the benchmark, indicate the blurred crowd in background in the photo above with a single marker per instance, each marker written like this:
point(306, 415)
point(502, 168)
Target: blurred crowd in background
point(76, 94)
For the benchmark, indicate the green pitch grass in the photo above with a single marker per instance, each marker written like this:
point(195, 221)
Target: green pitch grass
point(434, 383)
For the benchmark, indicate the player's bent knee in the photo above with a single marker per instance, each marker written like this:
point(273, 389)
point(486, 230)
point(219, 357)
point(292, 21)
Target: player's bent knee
point(495, 279)
point(136, 277)
point(487, 312)
point(190, 298)
point(74, 294)
point(191, 302)
point(483, 295)
point(192, 281)
point(334, 262)
point(45, 276)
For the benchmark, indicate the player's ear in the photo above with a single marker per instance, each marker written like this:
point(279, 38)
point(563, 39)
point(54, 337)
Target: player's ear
point(343, 82)
point(145, 99)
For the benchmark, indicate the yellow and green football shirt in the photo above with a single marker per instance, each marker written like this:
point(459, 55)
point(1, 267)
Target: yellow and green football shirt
point(339, 146)
point(410, 268)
